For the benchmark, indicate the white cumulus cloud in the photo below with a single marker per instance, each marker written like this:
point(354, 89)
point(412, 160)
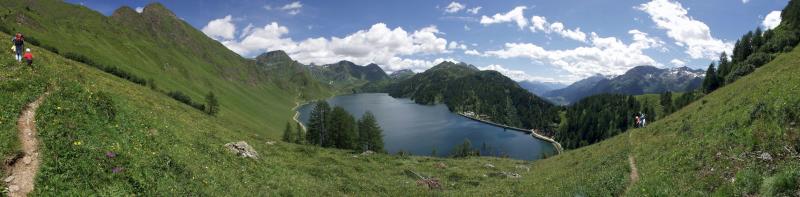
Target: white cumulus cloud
point(292, 8)
point(380, 44)
point(474, 10)
point(539, 23)
point(772, 20)
point(454, 7)
point(677, 62)
point(685, 30)
point(139, 9)
point(517, 75)
point(606, 55)
point(516, 15)
point(220, 28)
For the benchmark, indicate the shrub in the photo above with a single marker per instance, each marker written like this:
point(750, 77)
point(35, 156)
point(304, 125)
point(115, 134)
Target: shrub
point(105, 105)
point(32, 40)
point(183, 98)
point(782, 184)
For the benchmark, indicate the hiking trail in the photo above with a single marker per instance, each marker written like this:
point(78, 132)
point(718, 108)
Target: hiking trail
point(23, 171)
point(634, 175)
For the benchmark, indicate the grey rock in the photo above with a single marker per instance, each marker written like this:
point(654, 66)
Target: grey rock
point(9, 179)
point(765, 156)
point(368, 152)
point(242, 149)
point(13, 188)
point(488, 165)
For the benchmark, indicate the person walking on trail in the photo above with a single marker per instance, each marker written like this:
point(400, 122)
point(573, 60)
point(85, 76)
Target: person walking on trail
point(637, 122)
point(28, 56)
point(644, 121)
point(19, 44)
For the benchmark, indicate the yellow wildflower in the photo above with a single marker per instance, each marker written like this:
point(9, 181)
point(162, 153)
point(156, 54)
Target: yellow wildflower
point(76, 143)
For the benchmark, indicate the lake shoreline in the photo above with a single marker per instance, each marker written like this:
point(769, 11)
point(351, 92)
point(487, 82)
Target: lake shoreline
point(532, 132)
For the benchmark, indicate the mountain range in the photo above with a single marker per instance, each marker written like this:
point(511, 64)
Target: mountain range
point(636, 81)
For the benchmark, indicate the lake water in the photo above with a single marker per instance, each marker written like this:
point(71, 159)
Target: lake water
point(418, 129)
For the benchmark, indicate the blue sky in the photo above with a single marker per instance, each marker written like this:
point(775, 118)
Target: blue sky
point(556, 41)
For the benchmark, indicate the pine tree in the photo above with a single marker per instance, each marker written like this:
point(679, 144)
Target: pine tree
point(288, 136)
point(343, 132)
point(724, 66)
point(300, 139)
point(666, 103)
point(318, 124)
point(711, 82)
point(369, 133)
point(213, 104)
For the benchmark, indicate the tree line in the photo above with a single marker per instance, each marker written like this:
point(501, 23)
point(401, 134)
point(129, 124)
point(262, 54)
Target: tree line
point(754, 49)
point(336, 128)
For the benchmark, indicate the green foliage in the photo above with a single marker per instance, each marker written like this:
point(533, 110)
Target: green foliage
point(598, 117)
point(319, 124)
point(183, 98)
point(301, 135)
point(369, 134)
point(105, 105)
point(667, 106)
point(464, 150)
point(782, 184)
point(288, 136)
point(212, 104)
point(342, 130)
point(711, 82)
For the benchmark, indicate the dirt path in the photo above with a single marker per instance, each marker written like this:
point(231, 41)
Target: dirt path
point(634, 176)
point(23, 171)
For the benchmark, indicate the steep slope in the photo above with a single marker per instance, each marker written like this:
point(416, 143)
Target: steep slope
point(489, 94)
point(402, 74)
point(636, 81)
point(346, 75)
point(288, 74)
point(168, 53)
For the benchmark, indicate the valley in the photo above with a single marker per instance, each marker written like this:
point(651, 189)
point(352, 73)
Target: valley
point(141, 101)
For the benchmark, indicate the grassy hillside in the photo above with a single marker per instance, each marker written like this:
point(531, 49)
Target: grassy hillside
point(159, 47)
point(742, 139)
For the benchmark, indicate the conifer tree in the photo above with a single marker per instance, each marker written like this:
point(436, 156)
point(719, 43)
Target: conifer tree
point(287, 134)
point(318, 125)
point(300, 139)
point(369, 133)
point(711, 82)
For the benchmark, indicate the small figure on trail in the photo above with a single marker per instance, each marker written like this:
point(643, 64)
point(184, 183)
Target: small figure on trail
point(644, 121)
point(19, 44)
point(638, 121)
point(28, 56)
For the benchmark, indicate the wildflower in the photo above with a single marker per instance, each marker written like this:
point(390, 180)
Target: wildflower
point(117, 169)
point(110, 154)
point(76, 143)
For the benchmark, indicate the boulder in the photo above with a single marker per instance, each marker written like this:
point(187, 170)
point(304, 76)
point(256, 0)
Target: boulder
point(488, 165)
point(368, 152)
point(242, 149)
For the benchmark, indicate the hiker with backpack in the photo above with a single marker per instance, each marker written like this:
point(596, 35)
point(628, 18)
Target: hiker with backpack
point(637, 122)
point(19, 44)
point(28, 56)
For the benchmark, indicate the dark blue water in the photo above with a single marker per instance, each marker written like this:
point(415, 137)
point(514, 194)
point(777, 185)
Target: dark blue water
point(418, 129)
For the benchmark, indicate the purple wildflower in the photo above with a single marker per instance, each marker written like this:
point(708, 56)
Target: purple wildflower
point(117, 169)
point(110, 154)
